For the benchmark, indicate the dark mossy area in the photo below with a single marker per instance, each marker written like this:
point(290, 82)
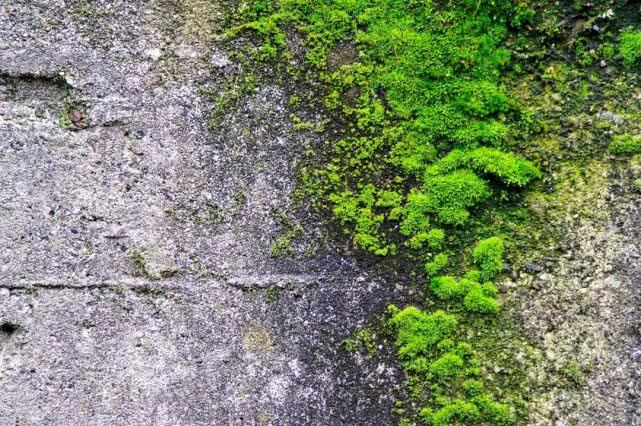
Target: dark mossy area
point(453, 135)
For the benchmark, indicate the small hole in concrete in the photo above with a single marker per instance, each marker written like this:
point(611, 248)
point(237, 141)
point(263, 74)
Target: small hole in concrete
point(8, 329)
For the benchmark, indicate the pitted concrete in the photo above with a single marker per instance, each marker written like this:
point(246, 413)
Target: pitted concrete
point(135, 242)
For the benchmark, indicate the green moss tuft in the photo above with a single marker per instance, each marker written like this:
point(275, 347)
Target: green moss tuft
point(626, 144)
point(488, 256)
point(630, 48)
point(418, 332)
point(436, 265)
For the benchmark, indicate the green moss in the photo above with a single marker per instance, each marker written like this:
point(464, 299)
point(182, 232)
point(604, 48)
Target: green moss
point(630, 48)
point(488, 256)
point(435, 238)
point(457, 412)
point(419, 332)
point(74, 116)
point(436, 265)
point(272, 294)
point(478, 300)
point(626, 144)
point(507, 167)
point(424, 144)
point(283, 244)
point(475, 297)
point(447, 365)
point(362, 340)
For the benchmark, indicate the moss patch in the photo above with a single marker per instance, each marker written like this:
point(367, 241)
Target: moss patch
point(458, 142)
point(257, 337)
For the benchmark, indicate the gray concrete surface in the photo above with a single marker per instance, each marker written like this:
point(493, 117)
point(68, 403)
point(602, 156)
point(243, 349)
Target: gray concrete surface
point(135, 243)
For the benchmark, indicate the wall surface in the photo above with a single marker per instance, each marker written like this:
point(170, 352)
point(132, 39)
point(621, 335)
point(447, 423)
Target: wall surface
point(137, 282)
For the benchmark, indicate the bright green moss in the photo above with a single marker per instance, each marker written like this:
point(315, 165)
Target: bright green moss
point(447, 365)
point(436, 265)
point(457, 412)
point(481, 98)
point(448, 288)
point(630, 48)
point(480, 410)
point(472, 387)
point(488, 256)
point(419, 332)
point(626, 144)
point(507, 167)
point(365, 212)
point(446, 198)
point(435, 238)
point(477, 300)
point(475, 297)
point(493, 412)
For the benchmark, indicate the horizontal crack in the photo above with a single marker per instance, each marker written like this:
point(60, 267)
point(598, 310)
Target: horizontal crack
point(243, 282)
point(274, 280)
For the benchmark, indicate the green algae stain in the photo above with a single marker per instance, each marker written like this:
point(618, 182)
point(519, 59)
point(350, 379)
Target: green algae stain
point(257, 338)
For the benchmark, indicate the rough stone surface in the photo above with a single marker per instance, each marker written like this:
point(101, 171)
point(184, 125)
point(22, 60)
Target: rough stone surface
point(583, 314)
point(137, 282)
point(135, 243)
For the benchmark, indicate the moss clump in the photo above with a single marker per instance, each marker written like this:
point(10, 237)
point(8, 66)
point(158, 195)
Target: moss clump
point(505, 166)
point(474, 296)
point(418, 333)
point(436, 265)
point(626, 144)
point(488, 256)
point(481, 410)
point(446, 198)
point(425, 344)
point(630, 48)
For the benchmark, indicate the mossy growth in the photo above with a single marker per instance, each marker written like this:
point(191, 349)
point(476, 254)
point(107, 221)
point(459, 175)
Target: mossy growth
point(74, 116)
point(626, 144)
point(361, 341)
point(283, 244)
point(427, 347)
point(152, 263)
point(441, 95)
point(630, 48)
point(488, 256)
point(424, 137)
point(437, 264)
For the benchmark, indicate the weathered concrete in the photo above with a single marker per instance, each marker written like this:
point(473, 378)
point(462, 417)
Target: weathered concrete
point(135, 243)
